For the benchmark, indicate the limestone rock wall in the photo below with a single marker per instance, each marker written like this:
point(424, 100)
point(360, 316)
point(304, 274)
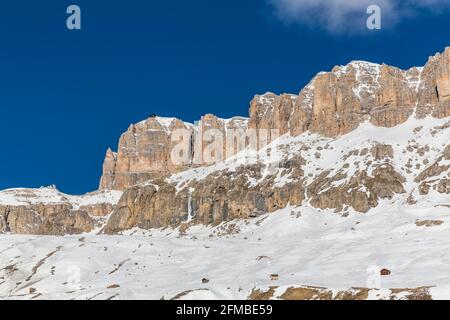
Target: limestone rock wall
point(218, 198)
point(45, 220)
point(46, 211)
point(332, 104)
point(143, 154)
point(145, 150)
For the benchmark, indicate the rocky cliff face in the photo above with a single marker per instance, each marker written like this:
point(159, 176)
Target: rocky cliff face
point(353, 138)
point(406, 164)
point(49, 212)
point(332, 104)
point(145, 150)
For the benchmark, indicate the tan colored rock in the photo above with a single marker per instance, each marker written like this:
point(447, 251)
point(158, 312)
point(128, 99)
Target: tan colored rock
point(361, 191)
point(126, 214)
point(443, 77)
point(217, 198)
point(332, 104)
point(429, 223)
point(318, 293)
point(45, 220)
point(147, 150)
point(444, 186)
point(437, 168)
point(67, 222)
point(46, 211)
point(109, 170)
point(98, 210)
point(382, 151)
point(144, 153)
point(335, 103)
point(396, 99)
point(271, 112)
point(433, 94)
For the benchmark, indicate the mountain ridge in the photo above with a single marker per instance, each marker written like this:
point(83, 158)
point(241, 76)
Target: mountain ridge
point(332, 104)
point(339, 192)
point(253, 170)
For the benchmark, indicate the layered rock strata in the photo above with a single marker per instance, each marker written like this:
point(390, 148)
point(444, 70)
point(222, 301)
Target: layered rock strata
point(332, 104)
point(352, 139)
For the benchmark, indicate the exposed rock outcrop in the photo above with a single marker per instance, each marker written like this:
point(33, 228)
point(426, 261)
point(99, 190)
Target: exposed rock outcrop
point(352, 138)
point(46, 220)
point(144, 154)
point(318, 293)
point(332, 104)
point(309, 170)
point(219, 197)
point(436, 176)
point(46, 211)
point(146, 150)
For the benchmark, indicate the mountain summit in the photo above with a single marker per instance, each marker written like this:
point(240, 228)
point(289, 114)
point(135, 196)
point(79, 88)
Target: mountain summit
point(339, 192)
point(332, 104)
point(351, 139)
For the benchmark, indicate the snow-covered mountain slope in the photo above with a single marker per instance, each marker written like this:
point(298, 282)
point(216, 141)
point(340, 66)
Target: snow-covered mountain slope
point(349, 200)
point(51, 195)
point(332, 104)
point(295, 247)
point(352, 172)
point(48, 211)
point(145, 149)
point(300, 251)
point(416, 145)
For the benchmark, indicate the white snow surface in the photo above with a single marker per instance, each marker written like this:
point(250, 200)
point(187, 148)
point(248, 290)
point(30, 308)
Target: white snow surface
point(303, 245)
point(50, 195)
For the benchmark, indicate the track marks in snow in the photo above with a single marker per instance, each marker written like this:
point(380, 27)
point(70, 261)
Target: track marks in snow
point(41, 262)
point(120, 265)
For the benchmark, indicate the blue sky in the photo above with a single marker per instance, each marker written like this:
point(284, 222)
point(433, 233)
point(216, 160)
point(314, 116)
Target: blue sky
point(66, 96)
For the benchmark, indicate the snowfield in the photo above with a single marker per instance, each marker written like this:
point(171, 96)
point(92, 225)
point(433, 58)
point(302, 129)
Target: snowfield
point(302, 246)
point(293, 247)
point(50, 195)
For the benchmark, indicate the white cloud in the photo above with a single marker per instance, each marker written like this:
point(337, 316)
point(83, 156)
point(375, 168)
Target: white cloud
point(338, 16)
